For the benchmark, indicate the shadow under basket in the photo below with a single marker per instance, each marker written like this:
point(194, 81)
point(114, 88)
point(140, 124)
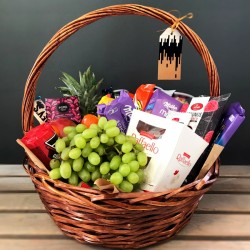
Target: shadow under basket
point(123, 220)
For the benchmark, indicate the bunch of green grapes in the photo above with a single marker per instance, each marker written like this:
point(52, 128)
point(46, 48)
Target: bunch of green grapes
point(100, 151)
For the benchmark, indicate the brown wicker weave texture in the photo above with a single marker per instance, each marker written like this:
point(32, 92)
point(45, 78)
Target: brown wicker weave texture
point(125, 220)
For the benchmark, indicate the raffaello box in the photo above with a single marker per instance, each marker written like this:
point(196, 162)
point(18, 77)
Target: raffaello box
point(149, 130)
point(172, 146)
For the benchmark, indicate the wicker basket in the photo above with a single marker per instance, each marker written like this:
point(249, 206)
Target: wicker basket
point(124, 220)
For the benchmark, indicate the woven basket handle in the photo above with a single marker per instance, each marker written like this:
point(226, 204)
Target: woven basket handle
point(115, 10)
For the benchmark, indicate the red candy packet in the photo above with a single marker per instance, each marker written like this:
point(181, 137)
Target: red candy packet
point(143, 95)
point(41, 140)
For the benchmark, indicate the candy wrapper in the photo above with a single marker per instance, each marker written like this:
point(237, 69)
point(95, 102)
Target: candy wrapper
point(65, 107)
point(120, 110)
point(103, 103)
point(160, 103)
point(40, 111)
point(233, 118)
point(41, 141)
point(206, 114)
point(143, 95)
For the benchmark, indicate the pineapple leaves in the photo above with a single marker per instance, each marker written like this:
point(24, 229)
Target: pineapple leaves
point(87, 89)
point(71, 83)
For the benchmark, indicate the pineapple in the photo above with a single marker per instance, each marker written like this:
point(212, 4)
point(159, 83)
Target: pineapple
point(87, 90)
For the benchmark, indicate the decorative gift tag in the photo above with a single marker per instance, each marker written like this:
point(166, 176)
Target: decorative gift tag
point(170, 55)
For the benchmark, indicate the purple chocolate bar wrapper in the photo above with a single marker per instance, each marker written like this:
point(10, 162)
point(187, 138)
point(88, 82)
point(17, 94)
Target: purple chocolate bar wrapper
point(170, 102)
point(101, 109)
point(234, 116)
point(120, 110)
point(162, 106)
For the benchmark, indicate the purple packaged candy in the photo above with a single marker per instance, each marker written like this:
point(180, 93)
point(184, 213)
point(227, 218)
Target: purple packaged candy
point(120, 110)
point(234, 116)
point(160, 103)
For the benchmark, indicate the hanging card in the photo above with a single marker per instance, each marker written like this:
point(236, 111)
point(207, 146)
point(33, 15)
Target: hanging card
point(170, 55)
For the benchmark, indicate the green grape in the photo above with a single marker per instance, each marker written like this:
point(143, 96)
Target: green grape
point(89, 133)
point(104, 138)
point(113, 131)
point(104, 168)
point(140, 173)
point(120, 139)
point(100, 150)
point(95, 126)
point(116, 178)
point(102, 122)
point(110, 124)
point(73, 179)
point(54, 163)
point(94, 142)
point(65, 170)
point(80, 128)
point(110, 142)
point(134, 166)
point(110, 155)
point(68, 129)
point(86, 150)
point(75, 153)
point(126, 186)
point(72, 142)
point(133, 178)
point(131, 138)
point(139, 147)
point(95, 175)
point(77, 164)
point(67, 140)
point(94, 158)
point(70, 161)
point(127, 147)
point(84, 175)
point(72, 134)
point(133, 156)
point(65, 154)
point(115, 162)
point(128, 157)
point(80, 142)
point(55, 174)
point(124, 169)
point(60, 145)
point(142, 159)
point(90, 167)
point(77, 135)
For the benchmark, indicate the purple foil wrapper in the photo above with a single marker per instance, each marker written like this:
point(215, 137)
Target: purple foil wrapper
point(234, 116)
point(101, 109)
point(161, 100)
point(120, 110)
point(162, 106)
